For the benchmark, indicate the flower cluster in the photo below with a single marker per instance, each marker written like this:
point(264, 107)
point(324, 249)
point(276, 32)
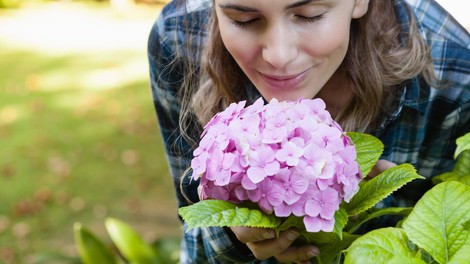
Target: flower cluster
point(287, 157)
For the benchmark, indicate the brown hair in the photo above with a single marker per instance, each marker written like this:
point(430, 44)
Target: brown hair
point(381, 57)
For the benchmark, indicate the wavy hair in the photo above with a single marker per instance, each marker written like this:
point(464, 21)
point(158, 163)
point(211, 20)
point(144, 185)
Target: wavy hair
point(381, 56)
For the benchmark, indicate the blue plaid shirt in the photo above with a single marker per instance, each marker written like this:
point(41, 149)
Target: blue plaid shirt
point(421, 131)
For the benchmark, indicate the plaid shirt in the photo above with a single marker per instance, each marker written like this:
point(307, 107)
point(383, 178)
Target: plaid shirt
point(421, 131)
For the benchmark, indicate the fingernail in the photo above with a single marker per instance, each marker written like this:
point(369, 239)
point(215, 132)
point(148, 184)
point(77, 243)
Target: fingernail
point(268, 235)
point(292, 235)
point(313, 252)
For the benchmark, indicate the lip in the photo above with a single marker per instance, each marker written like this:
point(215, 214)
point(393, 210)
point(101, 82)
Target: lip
point(284, 81)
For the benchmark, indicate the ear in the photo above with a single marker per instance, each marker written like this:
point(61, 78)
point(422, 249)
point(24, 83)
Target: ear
point(360, 8)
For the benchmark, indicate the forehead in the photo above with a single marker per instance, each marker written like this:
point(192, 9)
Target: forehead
point(253, 5)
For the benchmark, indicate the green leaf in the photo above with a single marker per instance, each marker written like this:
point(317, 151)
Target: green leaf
point(463, 164)
point(461, 256)
point(341, 219)
point(452, 176)
point(331, 252)
point(90, 248)
point(373, 191)
point(465, 179)
point(130, 243)
point(385, 245)
point(329, 243)
point(222, 213)
point(292, 222)
point(368, 149)
point(447, 176)
point(463, 144)
point(372, 213)
point(439, 223)
point(320, 237)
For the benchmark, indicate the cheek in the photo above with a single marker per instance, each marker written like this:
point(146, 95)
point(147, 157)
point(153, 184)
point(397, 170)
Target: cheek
point(241, 45)
point(329, 40)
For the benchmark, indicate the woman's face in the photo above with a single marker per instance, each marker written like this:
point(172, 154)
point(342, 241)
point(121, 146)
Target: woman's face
point(289, 49)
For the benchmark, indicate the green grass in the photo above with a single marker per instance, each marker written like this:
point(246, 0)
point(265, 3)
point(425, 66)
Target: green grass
point(79, 142)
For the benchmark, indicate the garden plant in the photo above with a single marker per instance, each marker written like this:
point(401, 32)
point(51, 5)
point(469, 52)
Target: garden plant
point(435, 230)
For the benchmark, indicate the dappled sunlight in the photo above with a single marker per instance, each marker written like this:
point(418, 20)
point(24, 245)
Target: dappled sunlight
point(79, 135)
point(61, 28)
point(9, 114)
point(113, 77)
point(92, 78)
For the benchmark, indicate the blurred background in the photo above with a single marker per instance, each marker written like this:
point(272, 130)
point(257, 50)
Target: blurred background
point(79, 140)
point(78, 134)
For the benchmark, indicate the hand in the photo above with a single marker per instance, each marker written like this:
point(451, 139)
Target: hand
point(380, 167)
point(264, 244)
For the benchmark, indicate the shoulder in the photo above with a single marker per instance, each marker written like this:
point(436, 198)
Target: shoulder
point(448, 42)
point(436, 22)
point(177, 23)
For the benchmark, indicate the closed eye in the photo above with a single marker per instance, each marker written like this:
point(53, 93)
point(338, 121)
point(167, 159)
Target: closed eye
point(246, 23)
point(310, 19)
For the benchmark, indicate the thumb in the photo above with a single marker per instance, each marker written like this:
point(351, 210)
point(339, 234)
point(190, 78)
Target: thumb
point(379, 167)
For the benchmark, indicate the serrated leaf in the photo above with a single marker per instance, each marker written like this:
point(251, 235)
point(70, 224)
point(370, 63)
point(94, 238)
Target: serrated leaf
point(130, 243)
point(373, 191)
point(208, 213)
point(463, 144)
point(90, 248)
point(439, 222)
point(368, 149)
point(385, 245)
point(372, 213)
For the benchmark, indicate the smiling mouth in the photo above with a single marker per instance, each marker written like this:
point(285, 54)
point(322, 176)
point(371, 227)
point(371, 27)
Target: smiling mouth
point(284, 81)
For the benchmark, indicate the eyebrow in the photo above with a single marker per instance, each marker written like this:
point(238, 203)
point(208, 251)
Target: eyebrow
point(249, 9)
point(300, 3)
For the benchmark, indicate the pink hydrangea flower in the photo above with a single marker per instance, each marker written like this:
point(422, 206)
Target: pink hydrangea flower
point(289, 158)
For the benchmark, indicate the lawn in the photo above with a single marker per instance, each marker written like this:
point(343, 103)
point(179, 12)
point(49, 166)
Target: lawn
point(79, 137)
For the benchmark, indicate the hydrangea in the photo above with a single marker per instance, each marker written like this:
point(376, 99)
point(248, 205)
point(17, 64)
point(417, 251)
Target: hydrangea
point(290, 158)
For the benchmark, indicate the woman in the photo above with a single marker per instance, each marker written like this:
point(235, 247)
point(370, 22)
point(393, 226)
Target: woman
point(397, 69)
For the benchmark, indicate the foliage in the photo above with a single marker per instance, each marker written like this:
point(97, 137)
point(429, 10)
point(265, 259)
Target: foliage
point(130, 246)
point(90, 248)
point(436, 229)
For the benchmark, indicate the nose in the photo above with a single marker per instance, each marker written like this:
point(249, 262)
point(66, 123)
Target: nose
point(279, 47)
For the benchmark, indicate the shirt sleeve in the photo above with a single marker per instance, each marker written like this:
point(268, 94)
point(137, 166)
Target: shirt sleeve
point(167, 62)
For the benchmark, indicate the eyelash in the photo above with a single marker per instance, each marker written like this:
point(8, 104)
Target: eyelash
point(243, 24)
point(310, 19)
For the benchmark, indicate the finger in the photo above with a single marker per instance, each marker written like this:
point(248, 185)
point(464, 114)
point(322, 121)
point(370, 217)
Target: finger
point(251, 234)
point(272, 247)
point(298, 254)
point(199, 192)
point(379, 167)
